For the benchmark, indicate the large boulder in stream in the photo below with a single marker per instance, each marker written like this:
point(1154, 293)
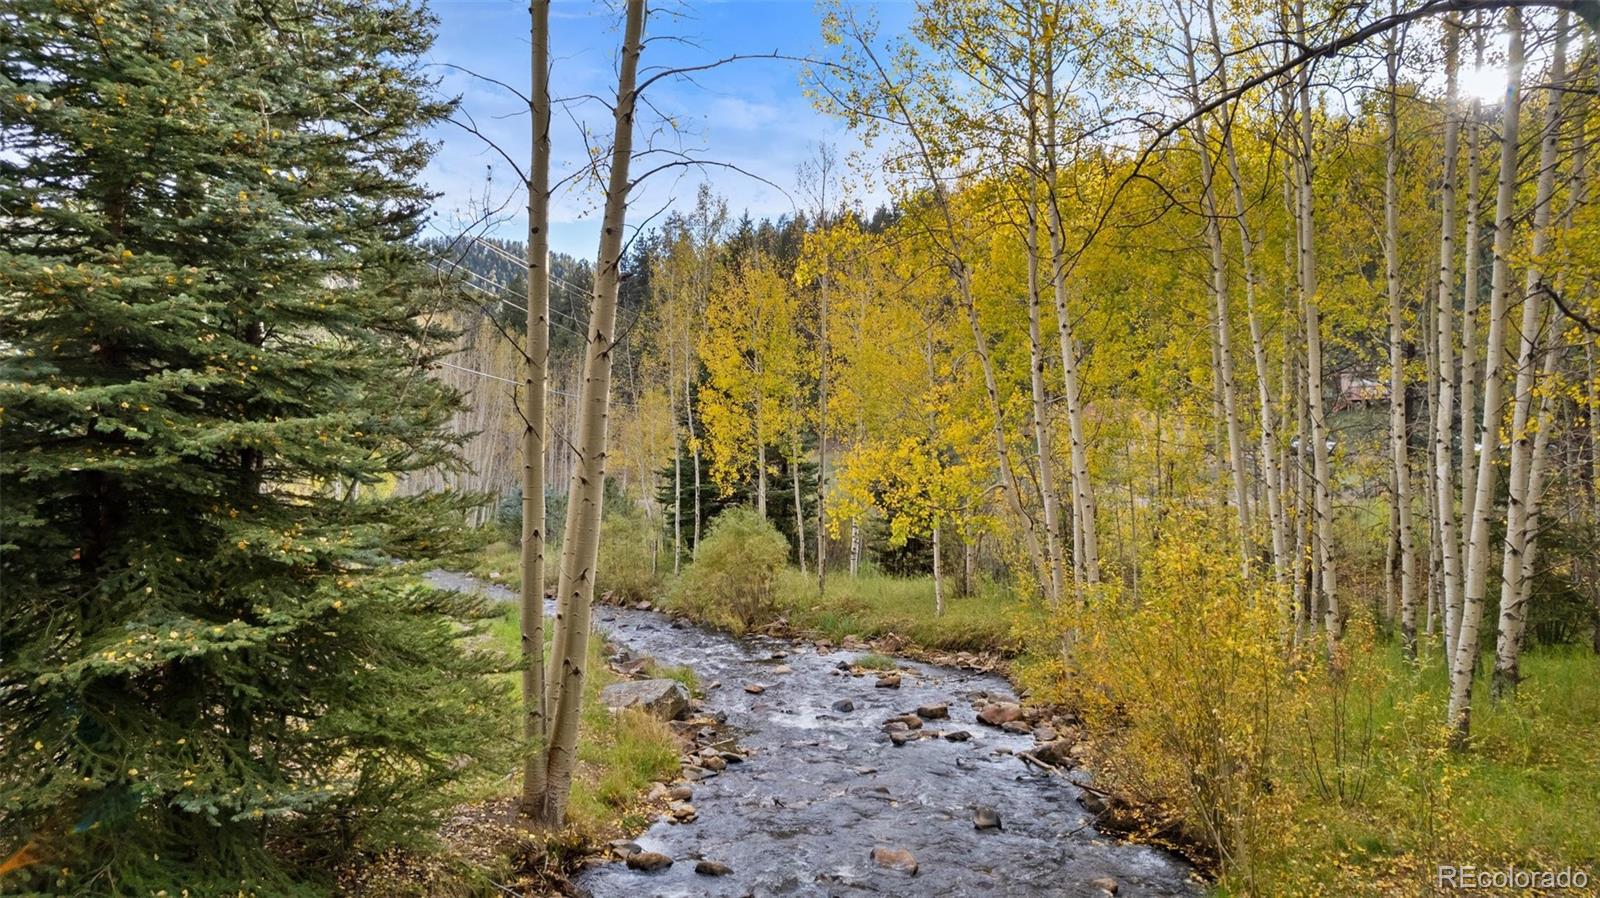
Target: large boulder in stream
point(666, 699)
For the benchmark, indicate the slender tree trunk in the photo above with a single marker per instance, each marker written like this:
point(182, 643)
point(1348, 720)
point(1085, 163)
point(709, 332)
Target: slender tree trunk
point(586, 490)
point(1469, 338)
point(1399, 445)
point(1444, 484)
point(1521, 476)
point(799, 513)
point(1087, 555)
point(1040, 421)
point(694, 439)
point(822, 432)
point(1322, 505)
point(1465, 661)
point(938, 575)
point(761, 468)
point(535, 728)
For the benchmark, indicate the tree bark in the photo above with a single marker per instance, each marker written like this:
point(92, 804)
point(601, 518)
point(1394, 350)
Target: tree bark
point(1522, 476)
point(1459, 714)
point(586, 489)
point(535, 730)
point(1399, 448)
point(1444, 496)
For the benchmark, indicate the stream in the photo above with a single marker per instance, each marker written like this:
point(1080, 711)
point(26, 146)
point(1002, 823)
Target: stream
point(821, 788)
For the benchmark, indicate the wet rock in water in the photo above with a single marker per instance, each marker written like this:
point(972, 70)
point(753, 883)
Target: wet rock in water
point(715, 762)
point(1092, 803)
point(666, 699)
point(641, 606)
point(754, 688)
point(901, 737)
point(1044, 734)
point(732, 757)
point(712, 868)
point(842, 665)
point(895, 726)
point(958, 735)
point(783, 669)
point(1105, 884)
point(889, 681)
point(933, 712)
point(998, 714)
point(912, 721)
point(893, 858)
point(1017, 726)
point(778, 656)
point(648, 861)
point(844, 706)
point(680, 792)
point(682, 811)
point(624, 848)
point(985, 817)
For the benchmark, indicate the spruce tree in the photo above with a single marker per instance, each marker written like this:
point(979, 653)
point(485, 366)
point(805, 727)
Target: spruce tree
point(220, 669)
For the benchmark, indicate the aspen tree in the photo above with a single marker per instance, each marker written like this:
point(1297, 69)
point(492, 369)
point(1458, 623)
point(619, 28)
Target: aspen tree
point(1444, 509)
point(1522, 478)
point(1463, 664)
point(1467, 394)
point(1398, 443)
point(586, 489)
point(535, 383)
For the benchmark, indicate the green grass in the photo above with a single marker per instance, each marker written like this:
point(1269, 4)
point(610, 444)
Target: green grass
point(875, 661)
point(874, 605)
point(1527, 792)
point(619, 754)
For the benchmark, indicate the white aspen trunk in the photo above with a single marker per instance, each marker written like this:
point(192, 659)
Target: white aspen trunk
point(1513, 614)
point(586, 490)
point(855, 549)
point(694, 438)
point(1222, 338)
point(1322, 504)
point(799, 513)
point(938, 575)
point(822, 434)
point(761, 467)
point(535, 723)
point(1536, 474)
point(1398, 444)
point(1086, 541)
point(1459, 714)
point(1467, 394)
point(1444, 498)
point(1040, 422)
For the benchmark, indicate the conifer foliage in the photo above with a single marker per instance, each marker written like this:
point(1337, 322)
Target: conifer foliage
point(219, 668)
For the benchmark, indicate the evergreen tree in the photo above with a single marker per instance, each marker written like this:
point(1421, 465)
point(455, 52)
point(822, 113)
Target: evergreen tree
point(220, 670)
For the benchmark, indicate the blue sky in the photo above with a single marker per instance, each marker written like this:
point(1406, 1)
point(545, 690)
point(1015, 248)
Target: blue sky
point(752, 114)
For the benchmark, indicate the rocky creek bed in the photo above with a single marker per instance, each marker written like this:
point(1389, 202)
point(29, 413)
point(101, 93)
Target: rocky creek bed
point(839, 787)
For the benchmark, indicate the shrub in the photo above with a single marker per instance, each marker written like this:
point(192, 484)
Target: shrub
point(730, 582)
point(626, 567)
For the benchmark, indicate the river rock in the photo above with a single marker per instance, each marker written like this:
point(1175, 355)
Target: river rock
point(641, 606)
point(783, 669)
point(889, 681)
point(1057, 753)
point(1105, 884)
point(666, 699)
point(1044, 733)
point(901, 737)
point(754, 688)
point(712, 868)
point(985, 817)
point(997, 714)
point(682, 811)
point(933, 712)
point(714, 762)
point(958, 735)
point(624, 848)
point(844, 706)
point(912, 721)
point(895, 726)
point(1020, 727)
point(1092, 803)
point(680, 792)
point(893, 858)
point(648, 861)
